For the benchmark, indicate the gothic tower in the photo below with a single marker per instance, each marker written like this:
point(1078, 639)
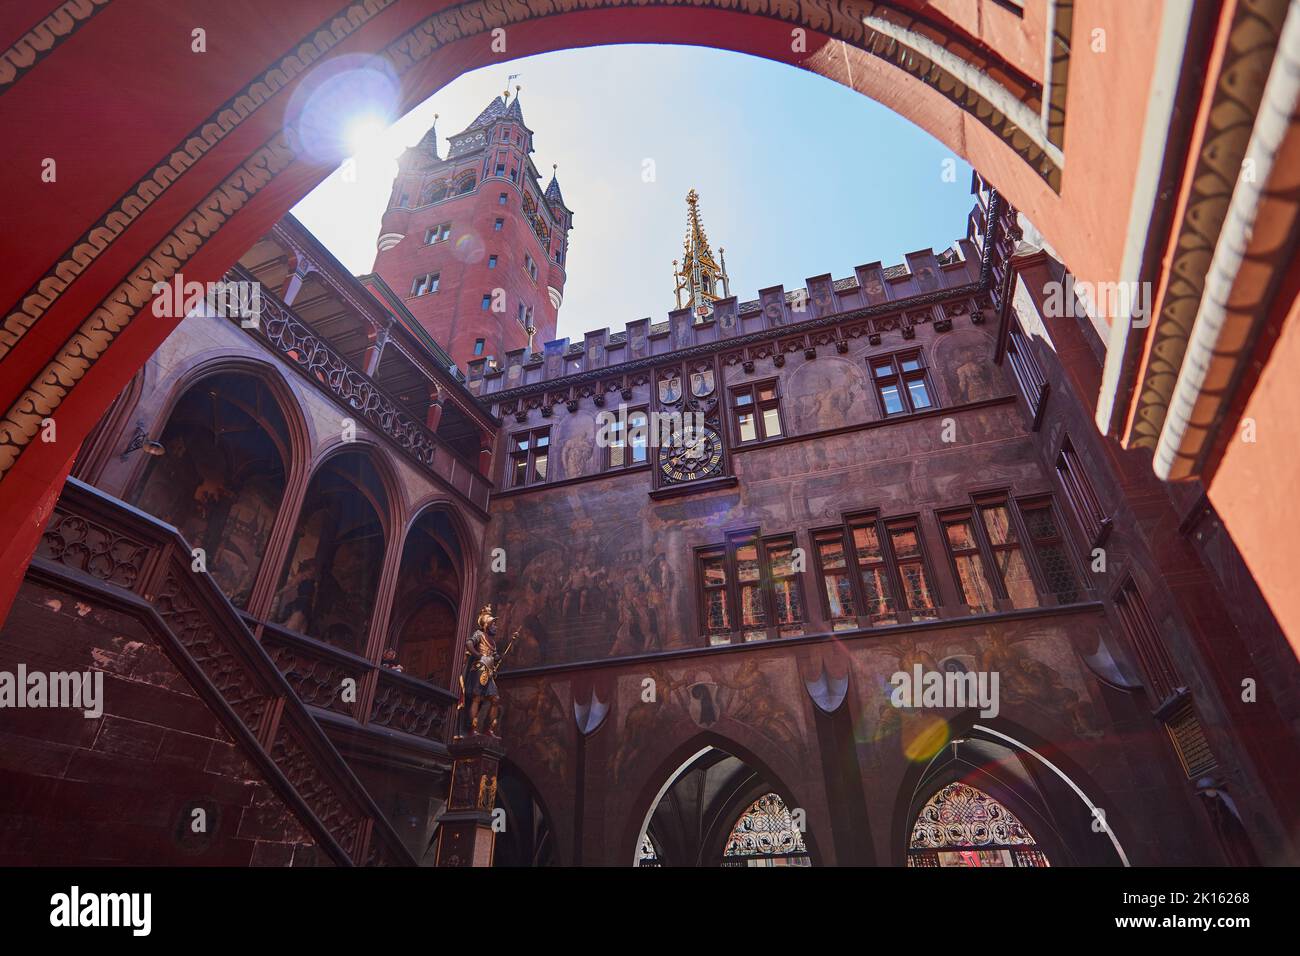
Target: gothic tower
point(472, 242)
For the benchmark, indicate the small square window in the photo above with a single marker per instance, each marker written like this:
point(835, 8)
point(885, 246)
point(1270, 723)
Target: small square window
point(478, 346)
point(492, 262)
point(496, 226)
point(487, 301)
point(501, 199)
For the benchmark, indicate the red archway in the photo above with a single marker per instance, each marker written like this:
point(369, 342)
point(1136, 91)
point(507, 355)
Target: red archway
point(158, 146)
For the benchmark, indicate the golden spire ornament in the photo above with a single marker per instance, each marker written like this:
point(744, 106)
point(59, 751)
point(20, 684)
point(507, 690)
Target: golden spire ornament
point(701, 280)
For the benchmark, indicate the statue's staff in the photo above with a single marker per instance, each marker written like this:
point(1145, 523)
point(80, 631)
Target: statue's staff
point(499, 658)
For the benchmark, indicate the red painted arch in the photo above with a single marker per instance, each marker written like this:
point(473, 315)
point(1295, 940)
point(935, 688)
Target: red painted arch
point(114, 93)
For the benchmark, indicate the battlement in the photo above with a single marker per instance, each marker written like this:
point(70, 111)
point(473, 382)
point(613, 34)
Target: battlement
point(872, 286)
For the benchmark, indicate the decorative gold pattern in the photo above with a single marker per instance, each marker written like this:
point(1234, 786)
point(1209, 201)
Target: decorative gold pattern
point(40, 41)
point(42, 296)
point(46, 392)
point(1238, 91)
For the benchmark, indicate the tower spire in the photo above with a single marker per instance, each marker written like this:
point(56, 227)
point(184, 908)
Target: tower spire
point(700, 275)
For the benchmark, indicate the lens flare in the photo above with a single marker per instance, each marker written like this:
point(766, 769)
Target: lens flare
point(923, 737)
point(342, 108)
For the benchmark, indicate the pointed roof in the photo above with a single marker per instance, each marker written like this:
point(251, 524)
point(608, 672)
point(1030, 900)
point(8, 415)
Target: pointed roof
point(553, 194)
point(697, 243)
point(429, 142)
point(498, 109)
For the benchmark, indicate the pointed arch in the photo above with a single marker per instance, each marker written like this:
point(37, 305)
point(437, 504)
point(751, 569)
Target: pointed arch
point(746, 779)
point(1071, 819)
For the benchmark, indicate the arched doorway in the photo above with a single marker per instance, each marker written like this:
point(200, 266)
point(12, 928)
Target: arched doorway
point(426, 607)
point(718, 810)
point(218, 473)
point(328, 585)
point(989, 799)
point(527, 839)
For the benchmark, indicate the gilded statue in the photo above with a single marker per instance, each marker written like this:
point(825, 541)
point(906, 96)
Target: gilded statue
point(478, 677)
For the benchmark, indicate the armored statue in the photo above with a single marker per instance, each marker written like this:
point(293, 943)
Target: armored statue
point(478, 677)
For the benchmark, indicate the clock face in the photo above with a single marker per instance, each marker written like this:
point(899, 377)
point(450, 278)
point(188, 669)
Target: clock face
point(701, 458)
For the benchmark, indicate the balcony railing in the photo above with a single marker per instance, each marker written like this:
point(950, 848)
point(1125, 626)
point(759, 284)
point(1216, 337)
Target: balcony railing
point(284, 333)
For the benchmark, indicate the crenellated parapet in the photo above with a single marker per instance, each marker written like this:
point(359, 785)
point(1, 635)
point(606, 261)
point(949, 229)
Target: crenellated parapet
point(875, 301)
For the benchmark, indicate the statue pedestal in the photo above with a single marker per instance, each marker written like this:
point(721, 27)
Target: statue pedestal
point(465, 834)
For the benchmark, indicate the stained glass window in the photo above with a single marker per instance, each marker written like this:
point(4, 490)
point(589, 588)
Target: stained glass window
point(962, 826)
point(766, 835)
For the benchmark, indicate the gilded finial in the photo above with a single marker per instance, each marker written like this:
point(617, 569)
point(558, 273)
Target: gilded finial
point(699, 274)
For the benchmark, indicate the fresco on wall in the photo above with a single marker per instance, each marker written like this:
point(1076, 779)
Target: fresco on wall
point(962, 361)
point(327, 589)
point(1041, 681)
point(605, 586)
point(537, 719)
point(827, 393)
point(743, 699)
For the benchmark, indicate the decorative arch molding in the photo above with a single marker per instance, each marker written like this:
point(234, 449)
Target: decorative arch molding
point(467, 542)
point(679, 760)
point(273, 377)
point(394, 515)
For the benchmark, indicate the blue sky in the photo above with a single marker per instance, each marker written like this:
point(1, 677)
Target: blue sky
point(797, 175)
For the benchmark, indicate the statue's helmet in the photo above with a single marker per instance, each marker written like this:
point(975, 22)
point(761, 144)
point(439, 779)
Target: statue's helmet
point(485, 617)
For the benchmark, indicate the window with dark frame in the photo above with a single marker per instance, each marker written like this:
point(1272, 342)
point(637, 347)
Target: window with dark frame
point(756, 412)
point(1014, 577)
point(902, 383)
point(438, 233)
point(425, 284)
point(496, 226)
point(492, 262)
point(785, 589)
point(968, 561)
point(750, 588)
point(1083, 500)
point(629, 440)
point(529, 453)
point(478, 346)
point(714, 583)
point(1161, 674)
point(1012, 551)
point(907, 551)
point(874, 573)
point(837, 580)
point(1029, 376)
point(1049, 547)
point(1174, 705)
